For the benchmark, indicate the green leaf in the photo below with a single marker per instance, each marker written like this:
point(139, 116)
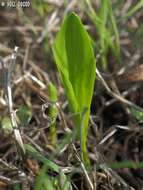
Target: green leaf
point(33, 152)
point(75, 61)
point(137, 114)
point(63, 182)
point(24, 114)
point(6, 125)
point(16, 187)
point(40, 6)
point(43, 180)
point(47, 182)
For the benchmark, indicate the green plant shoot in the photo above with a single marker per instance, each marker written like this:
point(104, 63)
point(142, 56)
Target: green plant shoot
point(74, 57)
point(53, 112)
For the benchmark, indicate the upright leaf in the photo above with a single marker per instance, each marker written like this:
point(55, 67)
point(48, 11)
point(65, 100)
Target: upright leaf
point(75, 60)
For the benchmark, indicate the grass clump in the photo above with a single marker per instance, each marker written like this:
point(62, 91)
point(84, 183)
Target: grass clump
point(105, 23)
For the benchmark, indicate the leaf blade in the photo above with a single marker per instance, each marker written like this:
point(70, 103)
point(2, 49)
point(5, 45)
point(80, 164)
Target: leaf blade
point(75, 61)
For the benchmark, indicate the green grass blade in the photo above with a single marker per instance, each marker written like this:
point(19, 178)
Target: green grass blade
point(43, 180)
point(17, 187)
point(126, 164)
point(116, 47)
point(104, 42)
point(133, 10)
point(105, 24)
point(33, 152)
point(103, 12)
point(48, 164)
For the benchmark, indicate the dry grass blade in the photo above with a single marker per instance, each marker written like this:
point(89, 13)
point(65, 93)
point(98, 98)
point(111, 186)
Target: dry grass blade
point(117, 96)
point(8, 93)
point(89, 182)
